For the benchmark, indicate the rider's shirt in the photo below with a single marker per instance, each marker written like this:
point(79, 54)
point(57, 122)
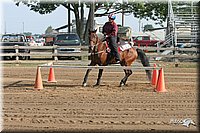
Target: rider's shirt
point(110, 28)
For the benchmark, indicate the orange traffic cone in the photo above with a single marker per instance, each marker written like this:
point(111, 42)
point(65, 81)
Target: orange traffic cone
point(38, 80)
point(154, 76)
point(161, 82)
point(51, 77)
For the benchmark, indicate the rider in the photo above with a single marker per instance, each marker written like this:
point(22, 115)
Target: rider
point(110, 29)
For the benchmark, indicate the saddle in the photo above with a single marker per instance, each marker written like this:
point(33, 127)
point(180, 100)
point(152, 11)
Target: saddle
point(122, 46)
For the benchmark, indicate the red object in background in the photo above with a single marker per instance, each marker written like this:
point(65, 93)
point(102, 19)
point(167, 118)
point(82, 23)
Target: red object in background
point(30, 38)
point(145, 41)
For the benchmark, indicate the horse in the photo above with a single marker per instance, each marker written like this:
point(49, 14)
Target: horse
point(100, 56)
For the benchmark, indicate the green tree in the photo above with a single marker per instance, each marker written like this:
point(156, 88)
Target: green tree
point(144, 9)
point(148, 27)
point(156, 11)
point(27, 33)
point(43, 7)
point(49, 30)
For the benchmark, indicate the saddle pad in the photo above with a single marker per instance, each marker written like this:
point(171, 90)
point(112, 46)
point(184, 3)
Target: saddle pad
point(124, 47)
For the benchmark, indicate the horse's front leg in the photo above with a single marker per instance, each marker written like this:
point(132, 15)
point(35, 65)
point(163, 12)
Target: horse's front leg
point(87, 74)
point(86, 77)
point(99, 77)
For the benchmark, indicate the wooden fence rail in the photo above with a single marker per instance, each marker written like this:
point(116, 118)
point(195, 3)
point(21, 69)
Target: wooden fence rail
point(43, 51)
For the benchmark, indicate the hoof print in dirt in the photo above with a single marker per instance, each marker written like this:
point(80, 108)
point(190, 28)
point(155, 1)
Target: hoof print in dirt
point(96, 85)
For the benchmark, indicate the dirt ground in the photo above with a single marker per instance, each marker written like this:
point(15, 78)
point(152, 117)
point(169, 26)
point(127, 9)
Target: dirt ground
point(67, 106)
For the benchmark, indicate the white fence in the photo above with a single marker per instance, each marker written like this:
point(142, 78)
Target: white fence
point(51, 51)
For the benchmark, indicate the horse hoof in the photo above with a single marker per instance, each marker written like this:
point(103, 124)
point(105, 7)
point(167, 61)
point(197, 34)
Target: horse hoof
point(121, 84)
point(84, 84)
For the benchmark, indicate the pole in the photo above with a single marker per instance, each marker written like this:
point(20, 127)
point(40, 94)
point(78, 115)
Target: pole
point(22, 27)
point(69, 17)
point(122, 17)
point(5, 27)
point(139, 24)
point(92, 16)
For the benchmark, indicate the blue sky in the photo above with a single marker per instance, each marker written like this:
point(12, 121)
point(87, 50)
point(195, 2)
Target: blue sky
point(16, 18)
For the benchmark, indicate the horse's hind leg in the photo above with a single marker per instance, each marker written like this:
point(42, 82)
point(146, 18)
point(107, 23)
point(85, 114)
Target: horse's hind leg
point(128, 72)
point(99, 77)
point(148, 72)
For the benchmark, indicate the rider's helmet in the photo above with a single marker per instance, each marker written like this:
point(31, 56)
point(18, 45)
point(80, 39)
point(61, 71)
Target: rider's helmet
point(112, 16)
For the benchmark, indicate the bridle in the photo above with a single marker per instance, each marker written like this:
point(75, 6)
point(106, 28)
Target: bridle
point(95, 43)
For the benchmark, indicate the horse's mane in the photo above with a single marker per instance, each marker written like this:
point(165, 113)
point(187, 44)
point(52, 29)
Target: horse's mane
point(100, 36)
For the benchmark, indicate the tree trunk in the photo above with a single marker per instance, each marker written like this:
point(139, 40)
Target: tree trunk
point(79, 18)
point(85, 36)
point(81, 22)
point(88, 23)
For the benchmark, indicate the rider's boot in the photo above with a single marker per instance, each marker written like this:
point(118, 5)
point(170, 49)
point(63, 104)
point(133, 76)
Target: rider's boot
point(108, 58)
point(118, 61)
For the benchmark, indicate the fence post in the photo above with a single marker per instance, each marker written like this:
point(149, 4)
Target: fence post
point(55, 52)
point(17, 52)
point(158, 47)
point(175, 45)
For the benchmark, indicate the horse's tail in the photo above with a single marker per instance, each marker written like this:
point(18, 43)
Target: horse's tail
point(145, 62)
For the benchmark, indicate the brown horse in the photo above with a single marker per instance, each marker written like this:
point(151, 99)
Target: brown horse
point(100, 56)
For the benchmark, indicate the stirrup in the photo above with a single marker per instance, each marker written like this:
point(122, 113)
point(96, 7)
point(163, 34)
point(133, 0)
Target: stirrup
point(118, 61)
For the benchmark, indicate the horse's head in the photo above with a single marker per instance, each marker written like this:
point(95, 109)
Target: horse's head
point(93, 40)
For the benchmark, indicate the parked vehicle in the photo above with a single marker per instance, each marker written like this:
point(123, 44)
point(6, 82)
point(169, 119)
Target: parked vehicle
point(12, 40)
point(32, 43)
point(30, 40)
point(63, 40)
point(145, 41)
point(39, 42)
point(49, 39)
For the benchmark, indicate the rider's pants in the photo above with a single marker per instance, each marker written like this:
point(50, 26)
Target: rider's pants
point(113, 46)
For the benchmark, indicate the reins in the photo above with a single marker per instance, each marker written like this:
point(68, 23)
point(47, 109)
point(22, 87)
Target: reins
point(95, 47)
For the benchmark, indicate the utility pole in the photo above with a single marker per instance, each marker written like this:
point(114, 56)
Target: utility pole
point(139, 24)
point(122, 17)
point(69, 18)
point(22, 27)
point(5, 27)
